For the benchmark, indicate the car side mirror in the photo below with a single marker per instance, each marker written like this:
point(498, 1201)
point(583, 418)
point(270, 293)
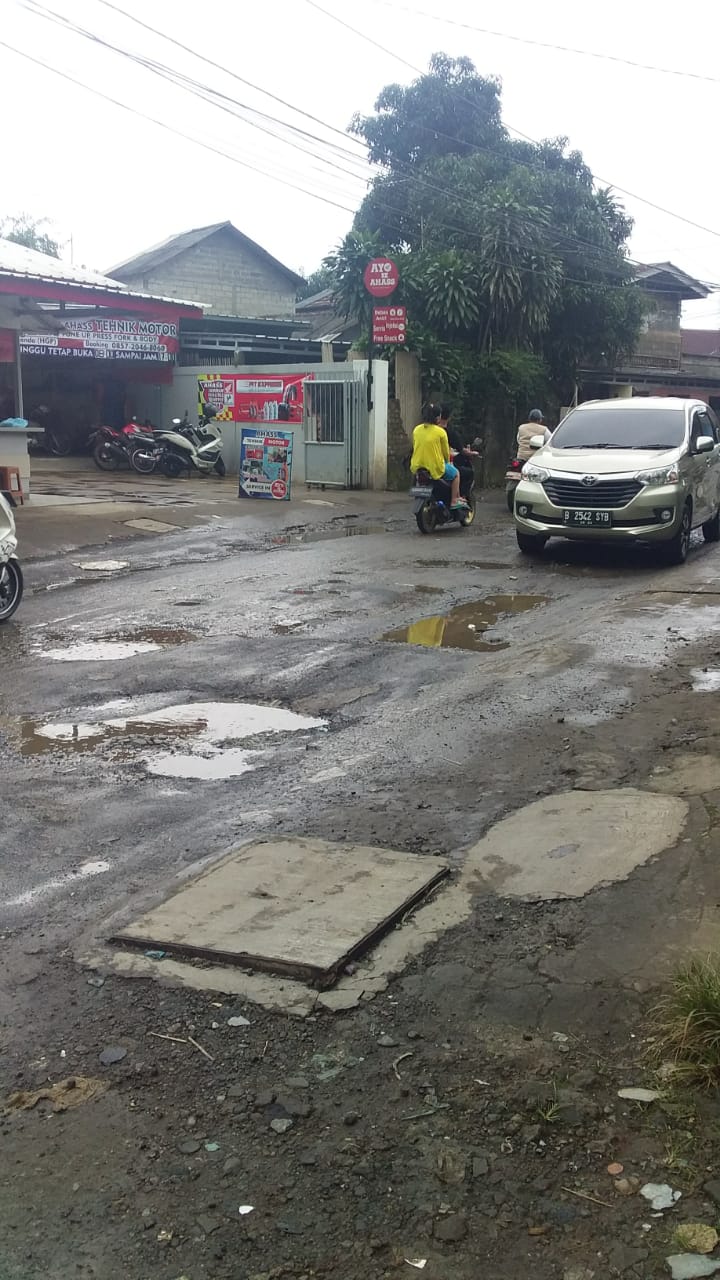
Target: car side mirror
point(537, 442)
point(704, 444)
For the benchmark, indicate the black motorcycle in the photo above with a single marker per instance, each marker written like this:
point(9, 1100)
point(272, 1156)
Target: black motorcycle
point(432, 501)
point(432, 498)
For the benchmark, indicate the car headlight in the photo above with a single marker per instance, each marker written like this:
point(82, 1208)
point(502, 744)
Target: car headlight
point(532, 472)
point(663, 475)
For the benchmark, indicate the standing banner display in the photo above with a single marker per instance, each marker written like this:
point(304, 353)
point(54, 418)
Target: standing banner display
point(265, 464)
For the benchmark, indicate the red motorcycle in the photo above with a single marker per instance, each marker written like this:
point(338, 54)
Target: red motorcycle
point(132, 446)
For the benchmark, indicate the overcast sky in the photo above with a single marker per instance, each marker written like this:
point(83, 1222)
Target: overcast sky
point(117, 183)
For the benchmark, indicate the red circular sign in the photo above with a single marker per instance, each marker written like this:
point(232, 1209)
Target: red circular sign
point(381, 277)
point(278, 489)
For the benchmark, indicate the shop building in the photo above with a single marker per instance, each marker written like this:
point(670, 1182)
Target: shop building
point(87, 347)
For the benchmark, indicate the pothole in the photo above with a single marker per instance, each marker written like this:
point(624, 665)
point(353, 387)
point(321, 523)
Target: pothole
point(102, 566)
point(113, 648)
point(466, 626)
point(329, 535)
point(208, 734)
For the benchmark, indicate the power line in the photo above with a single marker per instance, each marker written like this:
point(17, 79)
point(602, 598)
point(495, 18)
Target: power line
point(207, 146)
point(283, 181)
point(208, 93)
point(231, 106)
point(595, 286)
point(217, 66)
point(605, 181)
point(546, 44)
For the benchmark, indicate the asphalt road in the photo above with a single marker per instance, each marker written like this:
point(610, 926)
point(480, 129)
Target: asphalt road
point(420, 747)
point(238, 681)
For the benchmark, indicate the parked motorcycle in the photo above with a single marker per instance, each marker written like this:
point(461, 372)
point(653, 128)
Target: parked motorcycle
point(51, 440)
point(130, 447)
point(432, 501)
point(189, 448)
point(11, 578)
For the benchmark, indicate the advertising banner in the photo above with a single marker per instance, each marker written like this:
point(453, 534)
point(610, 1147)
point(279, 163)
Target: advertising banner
point(265, 464)
point(258, 397)
point(388, 325)
point(219, 393)
point(106, 339)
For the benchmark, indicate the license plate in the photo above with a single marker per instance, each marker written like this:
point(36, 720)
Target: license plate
point(588, 519)
point(421, 491)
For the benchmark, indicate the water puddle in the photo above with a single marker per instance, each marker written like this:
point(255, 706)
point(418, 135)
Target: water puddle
point(707, 681)
point(328, 535)
point(463, 564)
point(466, 626)
point(115, 647)
point(207, 732)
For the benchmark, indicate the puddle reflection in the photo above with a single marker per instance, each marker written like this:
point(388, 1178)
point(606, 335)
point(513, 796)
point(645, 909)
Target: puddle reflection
point(466, 626)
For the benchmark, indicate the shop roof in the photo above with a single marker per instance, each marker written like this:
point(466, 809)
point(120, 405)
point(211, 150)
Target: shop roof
point(174, 245)
point(30, 273)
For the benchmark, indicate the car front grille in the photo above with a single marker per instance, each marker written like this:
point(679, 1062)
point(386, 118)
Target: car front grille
point(606, 494)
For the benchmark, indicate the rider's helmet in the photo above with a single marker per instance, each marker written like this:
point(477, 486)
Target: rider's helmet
point(535, 415)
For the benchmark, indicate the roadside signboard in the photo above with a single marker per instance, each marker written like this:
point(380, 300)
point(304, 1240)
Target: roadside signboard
point(265, 464)
point(389, 325)
point(381, 277)
point(92, 338)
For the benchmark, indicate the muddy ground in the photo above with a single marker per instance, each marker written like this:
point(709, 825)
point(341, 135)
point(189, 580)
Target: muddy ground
point(466, 1116)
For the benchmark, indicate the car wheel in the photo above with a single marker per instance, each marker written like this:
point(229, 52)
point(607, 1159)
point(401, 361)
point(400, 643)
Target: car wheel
point(676, 550)
point(530, 544)
point(711, 529)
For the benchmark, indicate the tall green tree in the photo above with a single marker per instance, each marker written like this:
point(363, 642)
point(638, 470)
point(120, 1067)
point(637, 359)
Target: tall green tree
point(25, 230)
point(507, 246)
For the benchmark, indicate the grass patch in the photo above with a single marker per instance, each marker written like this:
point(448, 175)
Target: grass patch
point(686, 1024)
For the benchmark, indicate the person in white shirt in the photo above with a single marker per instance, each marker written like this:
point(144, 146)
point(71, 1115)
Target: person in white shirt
point(527, 432)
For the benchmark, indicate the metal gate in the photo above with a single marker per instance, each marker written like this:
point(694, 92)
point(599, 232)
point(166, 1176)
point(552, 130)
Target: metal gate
point(336, 430)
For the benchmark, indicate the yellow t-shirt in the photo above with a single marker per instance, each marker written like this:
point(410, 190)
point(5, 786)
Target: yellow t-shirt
point(431, 449)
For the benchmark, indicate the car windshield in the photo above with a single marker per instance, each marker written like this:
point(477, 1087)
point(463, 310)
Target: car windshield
point(621, 428)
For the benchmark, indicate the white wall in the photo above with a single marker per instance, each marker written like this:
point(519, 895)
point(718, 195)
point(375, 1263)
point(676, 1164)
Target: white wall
point(182, 396)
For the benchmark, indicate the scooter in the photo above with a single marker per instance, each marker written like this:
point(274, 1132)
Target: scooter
point(432, 501)
point(188, 448)
point(513, 476)
point(11, 578)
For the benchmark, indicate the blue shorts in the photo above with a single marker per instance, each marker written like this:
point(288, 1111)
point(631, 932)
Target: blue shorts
point(450, 472)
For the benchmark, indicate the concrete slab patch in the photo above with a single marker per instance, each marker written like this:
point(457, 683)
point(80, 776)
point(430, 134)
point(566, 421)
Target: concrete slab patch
point(687, 775)
point(564, 846)
point(299, 908)
point(152, 526)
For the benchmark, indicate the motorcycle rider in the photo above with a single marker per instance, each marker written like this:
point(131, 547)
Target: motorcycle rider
point(464, 454)
point(528, 430)
point(431, 453)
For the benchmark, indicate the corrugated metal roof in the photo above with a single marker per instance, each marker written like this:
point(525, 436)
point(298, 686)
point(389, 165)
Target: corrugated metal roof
point(700, 342)
point(16, 260)
point(174, 245)
point(19, 263)
point(663, 276)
